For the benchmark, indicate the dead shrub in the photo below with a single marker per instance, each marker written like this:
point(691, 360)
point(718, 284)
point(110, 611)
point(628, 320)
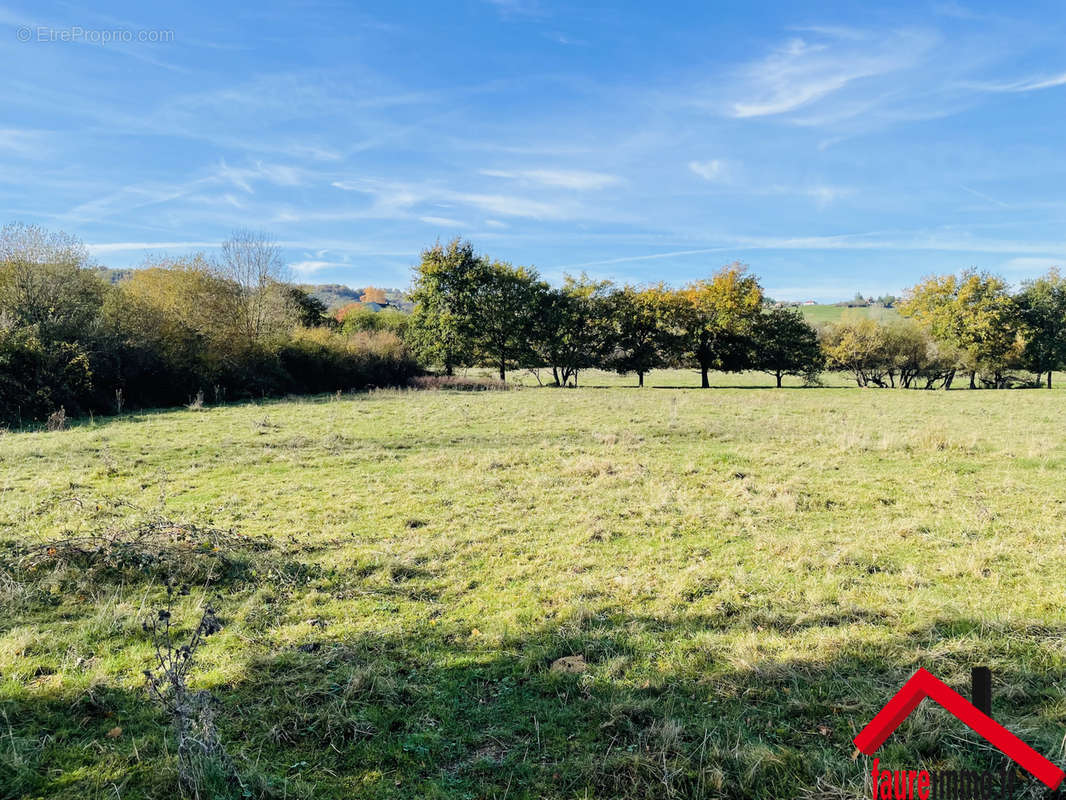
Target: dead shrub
point(57, 420)
point(142, 544)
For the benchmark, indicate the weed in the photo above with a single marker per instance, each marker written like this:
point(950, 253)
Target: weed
point(57, 420)
point(205, 770)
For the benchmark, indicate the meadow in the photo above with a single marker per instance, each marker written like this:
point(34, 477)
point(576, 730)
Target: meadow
point(833, 313)
point(747, 575)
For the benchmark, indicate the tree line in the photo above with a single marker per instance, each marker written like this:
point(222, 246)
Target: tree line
point(174, 331)
point(472, 310)
point(232, 326)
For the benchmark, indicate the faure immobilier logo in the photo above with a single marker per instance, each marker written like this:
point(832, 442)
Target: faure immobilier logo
point(912, 784)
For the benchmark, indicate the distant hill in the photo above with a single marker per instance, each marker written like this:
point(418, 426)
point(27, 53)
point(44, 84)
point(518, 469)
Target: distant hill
point(334, 295)
point(112, 275)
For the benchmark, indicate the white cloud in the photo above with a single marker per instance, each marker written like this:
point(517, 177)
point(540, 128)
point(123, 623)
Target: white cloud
point(708, 170)
point(566, 179)
point(1041, 254)
point(400, 201)
point(305, 268)
point(444, 222)
point(21, 142)
point(801, 73)
point(824, 195)
point(123, 247)
point(244, 177)
point(1030, 84)
point(511, 206)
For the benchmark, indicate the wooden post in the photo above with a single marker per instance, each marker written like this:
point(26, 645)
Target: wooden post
point(981, 689)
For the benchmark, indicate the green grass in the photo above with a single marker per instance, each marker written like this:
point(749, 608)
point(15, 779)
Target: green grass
point(749, 573)
point(833, 313)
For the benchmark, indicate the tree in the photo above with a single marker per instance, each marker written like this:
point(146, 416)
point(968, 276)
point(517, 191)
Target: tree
point(645, 329)
point(46, 283)
point(1042, 306)
point(856, 344)
point(573, 326)
point(441, 329)
point(785, 344)
point(718, 318)
point(308, 309)
point(372, 294)
point(188, 293)
point(503, 314)
point(972, 313)
point(469, 309)
point(253, 262)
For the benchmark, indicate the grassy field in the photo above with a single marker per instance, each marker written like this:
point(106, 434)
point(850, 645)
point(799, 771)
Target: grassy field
point(832, 313)
point(748, 574)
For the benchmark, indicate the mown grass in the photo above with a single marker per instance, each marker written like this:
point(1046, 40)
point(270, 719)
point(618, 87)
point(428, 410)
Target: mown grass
point(749, 574)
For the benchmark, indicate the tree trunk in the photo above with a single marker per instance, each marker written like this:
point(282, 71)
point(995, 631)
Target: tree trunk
point(704, 383)
point(555, 374)
point(575, 378)
point(640, 380)
point(973, 379)
point(779, 379)
point(449, 370)
point(1049, 379)
point(503, 370)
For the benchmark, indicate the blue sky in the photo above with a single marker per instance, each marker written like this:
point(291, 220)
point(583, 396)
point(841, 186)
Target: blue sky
point(834, 147)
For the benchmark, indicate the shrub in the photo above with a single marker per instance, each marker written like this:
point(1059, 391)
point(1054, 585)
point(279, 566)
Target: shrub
point(458, 383)
point(36, 380)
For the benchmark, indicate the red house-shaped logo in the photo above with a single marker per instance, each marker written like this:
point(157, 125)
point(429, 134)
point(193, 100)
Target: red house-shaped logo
point(924, 684)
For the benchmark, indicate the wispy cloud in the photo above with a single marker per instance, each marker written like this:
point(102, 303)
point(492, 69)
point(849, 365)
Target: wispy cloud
point(902, 242)
point(801, 72)
point(415, 200)
point(305, 268)
point(21, 142)
point(985, 197)
point(277, 174)
point(708, 170)
point(514, 206)
point(445, 222)
point(563, 178)
point(1030, 84)
point(103, 248)
point(823, 195)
